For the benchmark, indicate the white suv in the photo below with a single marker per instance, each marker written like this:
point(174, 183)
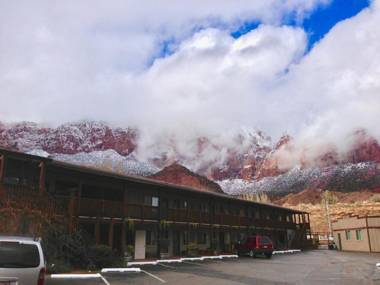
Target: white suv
point(21, 261)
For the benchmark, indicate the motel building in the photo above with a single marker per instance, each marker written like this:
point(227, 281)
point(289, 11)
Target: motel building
point(147, 218)
point(357, 233)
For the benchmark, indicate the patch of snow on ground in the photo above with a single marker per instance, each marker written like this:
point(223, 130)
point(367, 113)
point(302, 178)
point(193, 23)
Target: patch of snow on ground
point(109, 160)
point(38, 152)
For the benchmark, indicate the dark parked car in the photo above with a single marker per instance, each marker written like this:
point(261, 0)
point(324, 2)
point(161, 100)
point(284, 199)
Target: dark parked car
point(255, 245)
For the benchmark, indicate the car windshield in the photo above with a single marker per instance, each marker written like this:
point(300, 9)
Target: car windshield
point(18, 255)
point(265, 240)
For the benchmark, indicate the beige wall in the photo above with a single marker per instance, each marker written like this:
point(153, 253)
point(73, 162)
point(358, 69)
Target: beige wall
point(349, 222)
point(375, 239)
point(352, 244)
point(373, 221)
point(352, 223)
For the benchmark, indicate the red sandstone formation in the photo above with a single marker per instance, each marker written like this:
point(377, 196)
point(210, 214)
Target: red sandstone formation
point(178, 174)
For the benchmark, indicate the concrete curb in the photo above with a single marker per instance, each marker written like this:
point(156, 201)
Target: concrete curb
point(155, 262)
point(286, 251)
point(121, 270)
point(142, 263)
point(75, 276)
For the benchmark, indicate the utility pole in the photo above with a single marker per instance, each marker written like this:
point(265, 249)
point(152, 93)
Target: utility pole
point(327, 211)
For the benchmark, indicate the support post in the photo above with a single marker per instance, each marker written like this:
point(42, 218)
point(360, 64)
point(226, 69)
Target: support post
point(2, 174)
point(158, 241)
point(71, 211)
point(97, 231)
point(124, 225)
point(42, 178)
point(111, 233)
point(123, 236)
point(368, 233)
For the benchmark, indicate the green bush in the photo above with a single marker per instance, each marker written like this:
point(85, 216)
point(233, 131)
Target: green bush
point(375, 198)
point(101, 256)
point(64, 249)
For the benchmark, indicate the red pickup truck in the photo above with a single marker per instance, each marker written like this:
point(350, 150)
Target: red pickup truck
point(255, 245)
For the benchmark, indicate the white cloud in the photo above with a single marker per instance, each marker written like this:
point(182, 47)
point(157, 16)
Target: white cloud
point(68, 60)
point(335, 89)
point(63, 61)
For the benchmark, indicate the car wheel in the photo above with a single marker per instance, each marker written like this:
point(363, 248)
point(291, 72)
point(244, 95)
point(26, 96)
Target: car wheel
point(251, 253)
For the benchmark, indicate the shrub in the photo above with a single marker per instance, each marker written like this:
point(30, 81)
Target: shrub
point(101, 256)
point(375, 198)
point(65, 249)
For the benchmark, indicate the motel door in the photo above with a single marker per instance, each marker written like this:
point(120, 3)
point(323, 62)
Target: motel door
point(140, 242)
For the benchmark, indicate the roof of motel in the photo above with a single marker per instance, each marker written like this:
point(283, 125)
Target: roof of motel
point(131, 178)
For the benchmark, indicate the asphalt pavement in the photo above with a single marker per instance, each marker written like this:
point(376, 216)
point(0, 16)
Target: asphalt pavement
point(311, 267)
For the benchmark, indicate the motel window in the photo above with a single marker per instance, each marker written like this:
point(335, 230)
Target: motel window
point(174, 204)
point(192, 237)
point(185, 237)
point(204, 208)
point(359, 235)
point(147, 200)
point(201, 238)
point(150, 238)
point(155, 201)
point(348, 235)
point(151, 201)
point(257, 215)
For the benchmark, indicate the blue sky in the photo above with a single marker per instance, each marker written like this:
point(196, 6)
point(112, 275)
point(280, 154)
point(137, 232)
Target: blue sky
point(316, 24)
point(320, 21)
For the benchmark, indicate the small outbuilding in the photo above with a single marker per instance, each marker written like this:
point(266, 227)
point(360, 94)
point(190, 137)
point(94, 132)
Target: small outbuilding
point(357, 233)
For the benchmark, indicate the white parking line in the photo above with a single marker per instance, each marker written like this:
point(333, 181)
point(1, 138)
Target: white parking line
point(104, 280)
point(154, 276)
point(79, 276)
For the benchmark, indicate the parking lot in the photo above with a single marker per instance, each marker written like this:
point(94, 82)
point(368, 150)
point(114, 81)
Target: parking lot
point(312, 267)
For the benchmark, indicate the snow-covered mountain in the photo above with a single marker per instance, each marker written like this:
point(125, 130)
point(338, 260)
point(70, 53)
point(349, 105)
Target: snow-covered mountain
point(69, 138)
point(344, 177)
point(109, 160)
point(241, 161)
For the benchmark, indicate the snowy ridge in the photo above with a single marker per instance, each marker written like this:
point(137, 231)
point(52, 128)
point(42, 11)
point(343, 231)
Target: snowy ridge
point(108, 160)
point(345, 177)
point(68, 138)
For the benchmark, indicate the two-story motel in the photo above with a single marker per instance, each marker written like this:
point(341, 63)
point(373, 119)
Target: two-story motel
point(155, 219)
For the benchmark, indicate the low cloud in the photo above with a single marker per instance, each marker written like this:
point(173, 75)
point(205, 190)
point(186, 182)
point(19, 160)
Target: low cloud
point(89, 60)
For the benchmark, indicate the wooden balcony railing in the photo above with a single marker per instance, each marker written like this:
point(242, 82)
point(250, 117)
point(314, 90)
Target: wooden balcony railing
point(29, 197)
point(21, 196)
